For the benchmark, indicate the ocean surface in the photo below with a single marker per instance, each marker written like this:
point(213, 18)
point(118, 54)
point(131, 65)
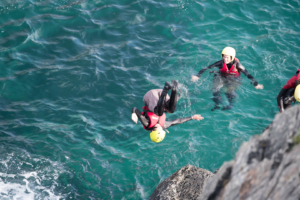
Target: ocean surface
point(71, 71)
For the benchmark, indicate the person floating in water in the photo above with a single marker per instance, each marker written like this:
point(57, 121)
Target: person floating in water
point(157, 101)
point(228, 75)
point(285, 96)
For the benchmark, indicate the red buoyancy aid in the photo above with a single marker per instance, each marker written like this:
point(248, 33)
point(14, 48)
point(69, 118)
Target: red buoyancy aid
point(291, 83)
point(154, 119)
point(233, 70)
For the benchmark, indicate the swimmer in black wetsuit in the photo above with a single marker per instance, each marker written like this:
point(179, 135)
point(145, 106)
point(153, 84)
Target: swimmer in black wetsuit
point(157, 101)
point(229, 76)
point(287, 94)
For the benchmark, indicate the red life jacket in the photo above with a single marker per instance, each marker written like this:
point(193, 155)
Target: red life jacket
point(154, 119)
point(291, 83)
point(233, 70)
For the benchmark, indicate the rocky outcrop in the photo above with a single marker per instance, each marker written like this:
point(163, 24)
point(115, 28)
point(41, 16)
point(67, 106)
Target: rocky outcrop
point(266, 167)
point(186, 183)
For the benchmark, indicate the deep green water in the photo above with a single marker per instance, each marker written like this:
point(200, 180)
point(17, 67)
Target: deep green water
point(72, 70)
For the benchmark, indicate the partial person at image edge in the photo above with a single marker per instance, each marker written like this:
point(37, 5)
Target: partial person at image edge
point(289, 93)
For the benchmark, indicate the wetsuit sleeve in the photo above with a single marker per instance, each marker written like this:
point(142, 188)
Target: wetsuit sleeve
point(141, 117)
point(176, 121)
point(281, 94)
point(246, 73)
point(216, 64)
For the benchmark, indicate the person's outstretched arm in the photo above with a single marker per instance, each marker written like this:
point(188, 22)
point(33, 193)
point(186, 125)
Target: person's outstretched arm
point(216, 64)
point(182, 120)
point(249, 76)
point(136, 114)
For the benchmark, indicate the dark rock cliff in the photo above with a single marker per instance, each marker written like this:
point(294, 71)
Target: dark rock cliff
point(266, 167)
point(186, 183)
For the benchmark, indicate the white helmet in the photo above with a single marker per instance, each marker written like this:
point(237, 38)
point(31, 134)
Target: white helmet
point(229, 51)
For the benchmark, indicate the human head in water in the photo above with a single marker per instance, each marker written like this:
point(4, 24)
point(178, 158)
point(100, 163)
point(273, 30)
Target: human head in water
point(228, 54)
point(158, 134)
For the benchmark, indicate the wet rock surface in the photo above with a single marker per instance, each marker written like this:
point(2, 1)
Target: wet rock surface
point(186, 183)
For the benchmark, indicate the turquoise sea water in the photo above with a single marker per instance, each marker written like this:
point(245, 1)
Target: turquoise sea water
point(72, 70)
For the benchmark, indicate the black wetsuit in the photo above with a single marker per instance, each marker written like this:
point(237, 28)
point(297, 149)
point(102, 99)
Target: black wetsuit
point(145, 120)
point(230, 81)
point(287, 91)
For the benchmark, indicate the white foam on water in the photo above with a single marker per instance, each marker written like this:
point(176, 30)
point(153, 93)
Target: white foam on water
point(23, 184)
point(27, 191)
point(15, 191)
